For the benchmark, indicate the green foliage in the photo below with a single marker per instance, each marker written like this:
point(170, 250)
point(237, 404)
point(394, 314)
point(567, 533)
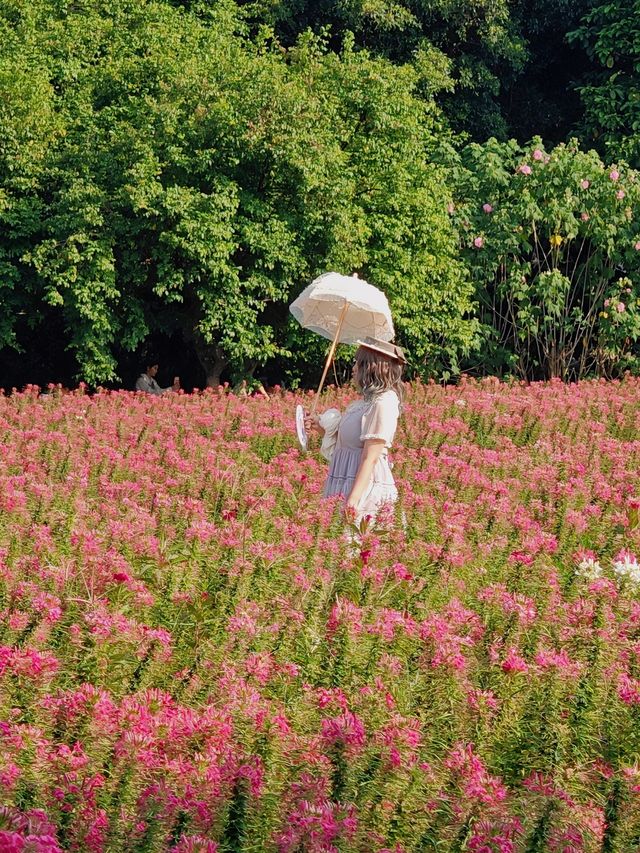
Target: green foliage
point(185, 178)
point(474, 41)
point(28, 127)
point(187, 168)
point(553, 248)
point(610, 34)
point(507, 60)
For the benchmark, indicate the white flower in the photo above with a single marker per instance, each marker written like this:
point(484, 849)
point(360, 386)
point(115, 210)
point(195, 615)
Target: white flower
point(626, 566)
point(589, 569)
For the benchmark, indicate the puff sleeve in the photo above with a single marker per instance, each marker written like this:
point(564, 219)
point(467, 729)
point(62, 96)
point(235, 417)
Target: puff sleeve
point(330, 423)
point(381, 420)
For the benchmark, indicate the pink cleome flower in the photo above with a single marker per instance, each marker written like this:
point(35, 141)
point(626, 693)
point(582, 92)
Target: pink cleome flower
point(347, 729)
point(514, 662)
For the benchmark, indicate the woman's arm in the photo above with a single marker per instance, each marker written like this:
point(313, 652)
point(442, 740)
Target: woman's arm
point(312, 424)
point(371, 452)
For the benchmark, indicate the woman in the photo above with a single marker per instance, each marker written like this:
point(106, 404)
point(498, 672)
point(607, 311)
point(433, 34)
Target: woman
point(147, 381)
point(359, 468)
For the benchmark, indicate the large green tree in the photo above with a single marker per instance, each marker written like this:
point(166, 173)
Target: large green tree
point(191, 179)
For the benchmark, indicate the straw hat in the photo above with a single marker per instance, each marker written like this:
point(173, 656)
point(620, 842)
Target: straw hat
point(385, 347)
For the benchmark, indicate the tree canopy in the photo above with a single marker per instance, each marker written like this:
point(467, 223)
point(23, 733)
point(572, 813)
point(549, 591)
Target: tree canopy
point(186, 177)
point(184, 169)
point(610, 34)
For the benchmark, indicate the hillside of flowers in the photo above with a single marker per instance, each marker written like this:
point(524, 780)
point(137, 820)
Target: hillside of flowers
point(196, 656)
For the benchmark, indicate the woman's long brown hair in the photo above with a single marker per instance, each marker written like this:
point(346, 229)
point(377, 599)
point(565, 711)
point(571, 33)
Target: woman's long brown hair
point(376, 373)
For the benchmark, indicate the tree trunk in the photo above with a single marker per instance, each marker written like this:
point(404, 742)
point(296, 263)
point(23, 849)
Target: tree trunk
point(212, 359)
point(210, 355)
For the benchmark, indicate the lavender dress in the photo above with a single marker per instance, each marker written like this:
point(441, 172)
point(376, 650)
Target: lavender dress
point(377, 418)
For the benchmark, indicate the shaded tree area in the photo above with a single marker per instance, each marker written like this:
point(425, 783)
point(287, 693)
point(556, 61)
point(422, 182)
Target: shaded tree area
point(542, 99)
point(506, 67)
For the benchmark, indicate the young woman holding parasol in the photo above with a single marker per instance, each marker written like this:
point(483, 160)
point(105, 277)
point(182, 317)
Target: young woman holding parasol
point(359, 468)
point(349, 310)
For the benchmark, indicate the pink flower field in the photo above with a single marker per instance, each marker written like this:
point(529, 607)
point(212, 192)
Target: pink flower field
point(196, 656)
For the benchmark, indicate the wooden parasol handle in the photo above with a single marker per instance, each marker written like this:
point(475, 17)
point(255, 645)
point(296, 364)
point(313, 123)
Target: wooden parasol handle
point(332, 350)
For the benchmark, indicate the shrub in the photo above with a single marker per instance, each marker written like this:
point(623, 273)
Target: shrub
point(553, 248)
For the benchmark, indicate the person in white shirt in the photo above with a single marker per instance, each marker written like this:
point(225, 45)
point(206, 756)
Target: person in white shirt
point(147, 382)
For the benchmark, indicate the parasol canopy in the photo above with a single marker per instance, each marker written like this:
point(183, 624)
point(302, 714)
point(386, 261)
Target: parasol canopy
point(344, 309)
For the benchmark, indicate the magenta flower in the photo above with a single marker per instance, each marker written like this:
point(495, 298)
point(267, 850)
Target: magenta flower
point(621, 307)
point(121, 577)
point(194, 844)
point(629, 689)
point(347, 729)
point(547, 659)
point(514, 662)
point(475, 781)
point(487, 208)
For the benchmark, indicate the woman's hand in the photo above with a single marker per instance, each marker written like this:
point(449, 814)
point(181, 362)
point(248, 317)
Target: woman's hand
point(350, 509)
point(312, 423)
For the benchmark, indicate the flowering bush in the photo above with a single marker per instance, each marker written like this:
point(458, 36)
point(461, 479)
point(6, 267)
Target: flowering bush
point(551, 241)
point(195, 657)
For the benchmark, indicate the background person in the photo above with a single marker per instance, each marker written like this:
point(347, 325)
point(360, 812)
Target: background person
point(359, 467)
point(147, 382)
point(250, 387)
